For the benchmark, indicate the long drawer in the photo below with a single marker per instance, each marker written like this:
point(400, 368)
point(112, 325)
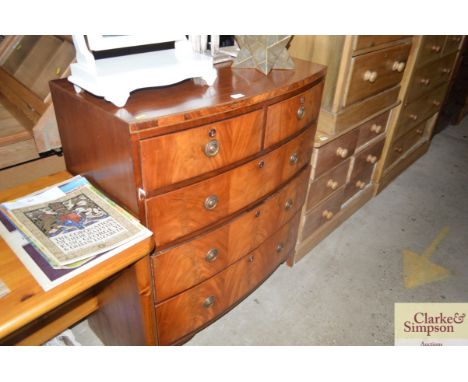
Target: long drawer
point(430, 76)
point(189, 311)
point(373, 72)
point(180, 212)
point(287, 117)
point(171, 158)
point(181, 267)
point(421, 109)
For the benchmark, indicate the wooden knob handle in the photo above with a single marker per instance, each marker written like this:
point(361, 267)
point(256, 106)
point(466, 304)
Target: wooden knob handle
point(327, 214)
point(370, 76)
point(436, 48)
point(414, 117)
point(360, 184)
point(376, 128)
point(398, 66)
point(333, 184)
point(436, 103)
point(456, 38)
point(446, 70)
point(425, 81)
point(420, 131)
point(399, 149)
point(371, 159)
point(341, 152)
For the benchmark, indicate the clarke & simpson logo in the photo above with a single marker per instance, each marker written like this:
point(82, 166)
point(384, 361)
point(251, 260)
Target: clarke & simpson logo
point(439, 323)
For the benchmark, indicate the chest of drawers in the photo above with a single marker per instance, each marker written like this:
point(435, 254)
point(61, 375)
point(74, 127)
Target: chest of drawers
point(361, 89)
point(219, 174)
point(430, 67)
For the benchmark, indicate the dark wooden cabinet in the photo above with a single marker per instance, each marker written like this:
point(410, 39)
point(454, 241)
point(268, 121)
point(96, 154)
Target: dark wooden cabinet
point(219, 174)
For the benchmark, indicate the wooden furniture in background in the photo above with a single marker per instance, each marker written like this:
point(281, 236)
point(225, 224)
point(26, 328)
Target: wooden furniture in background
point(218, 173)
point(30, 316)
point(456, 106)
point(423, 91)
point(27, 121)
point(361, 88)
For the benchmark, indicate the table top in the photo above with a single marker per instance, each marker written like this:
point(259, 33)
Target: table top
point(26, 300)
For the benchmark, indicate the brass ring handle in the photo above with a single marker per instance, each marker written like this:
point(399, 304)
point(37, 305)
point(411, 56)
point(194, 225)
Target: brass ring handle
point(211, 255)
point(58, 70)
point(399, 149)
point(333, 184)
point(209, 301)
point(360, 184)
point(300, 112)
point(261, 164)
point(398, 66)
point(327, 214)
point(212, 148)
point(211, 202)
point(376, 128)
point(288, 205)
point(370, 76)
point(436, 48)
point(371, 159)
point(425, 81)
point(414, 117)
point(341, 152)
point(293, 158)
point(436, 103)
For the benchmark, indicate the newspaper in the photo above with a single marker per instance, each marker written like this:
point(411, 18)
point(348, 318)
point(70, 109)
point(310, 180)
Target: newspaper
point(48, 230)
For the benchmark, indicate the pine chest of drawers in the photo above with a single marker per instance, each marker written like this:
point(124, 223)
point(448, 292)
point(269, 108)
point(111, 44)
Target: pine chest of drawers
point(219, 174)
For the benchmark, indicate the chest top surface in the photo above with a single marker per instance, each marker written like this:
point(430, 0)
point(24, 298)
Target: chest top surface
point(192, 99)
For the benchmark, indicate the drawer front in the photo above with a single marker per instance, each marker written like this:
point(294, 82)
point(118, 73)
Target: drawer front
point(180, 212)
point(179, 268)
point(395, 152)
point(367, 158)
point(452, 44)
point(358, 183)
point(333, 153)
point(431, 49)
point(372, 129)
point(413, 136)
point(324, 186)
point(175, 157)
point(19, 53)
point(194, 308)
point(421, 109)
point(366, 42)
point(430, 76)
point(287, 117)
point(322, 213)
point(373, 72)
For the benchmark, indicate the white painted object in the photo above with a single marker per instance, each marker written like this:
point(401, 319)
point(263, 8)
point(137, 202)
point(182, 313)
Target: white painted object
point(114, 78)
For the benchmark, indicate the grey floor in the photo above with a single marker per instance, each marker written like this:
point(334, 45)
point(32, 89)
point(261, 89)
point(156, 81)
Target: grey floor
point(343, 292)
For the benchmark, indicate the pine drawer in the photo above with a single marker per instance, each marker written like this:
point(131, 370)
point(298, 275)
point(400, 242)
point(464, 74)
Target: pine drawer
point(372, 129)
point(431, 49)
point(360, 181)
point(367, 158)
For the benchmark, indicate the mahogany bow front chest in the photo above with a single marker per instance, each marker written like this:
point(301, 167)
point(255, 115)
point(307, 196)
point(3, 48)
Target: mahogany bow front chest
point(218, 173)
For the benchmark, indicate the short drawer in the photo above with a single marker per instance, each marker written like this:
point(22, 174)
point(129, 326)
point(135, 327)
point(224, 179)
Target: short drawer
point(191, 310)
point(322, 213)
point(415, 112)
point(367, 158)
point(452, 44)
point(287, 117)
point(373, 72)
point(366, 42)
point(430, 49)
point(430, 76)
point(372, 129)
point(415, 135)
point(330, 155)
point(183, 211)
point(324, 186)
point(181, 267)
point(175, 157)
point(358, 183)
